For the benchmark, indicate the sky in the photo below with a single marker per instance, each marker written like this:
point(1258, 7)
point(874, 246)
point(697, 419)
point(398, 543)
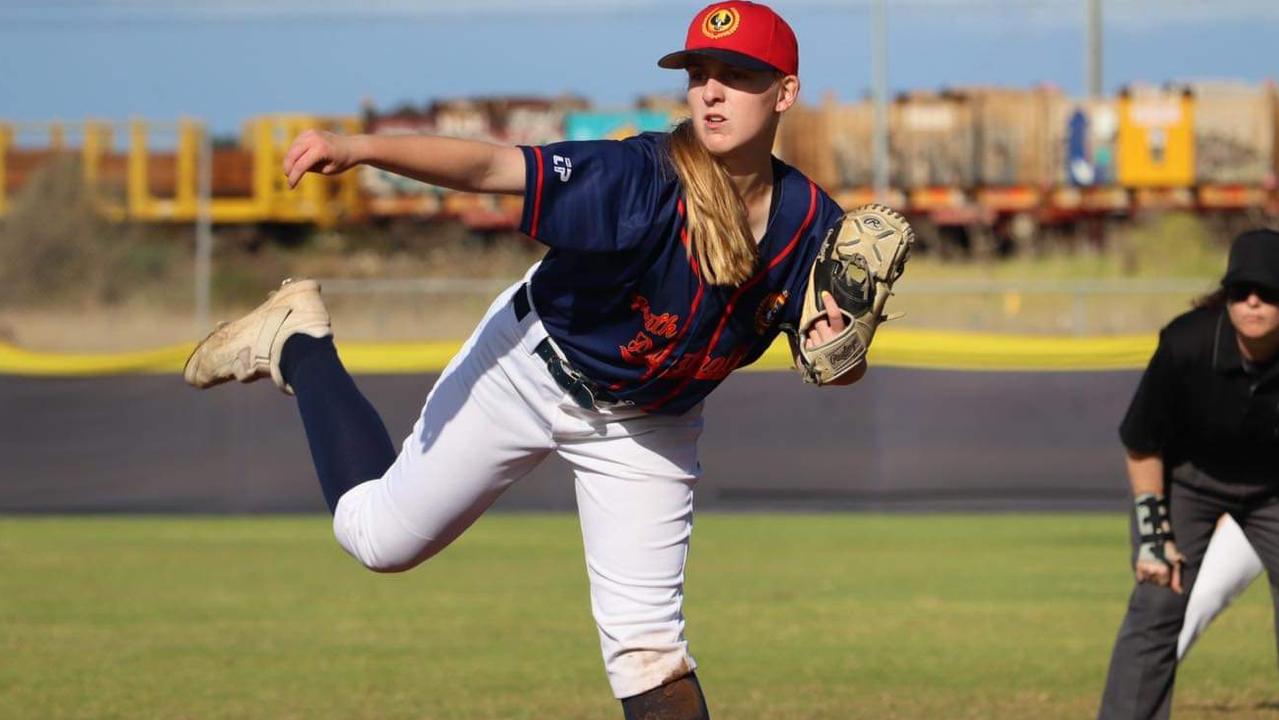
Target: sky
point(224, 61)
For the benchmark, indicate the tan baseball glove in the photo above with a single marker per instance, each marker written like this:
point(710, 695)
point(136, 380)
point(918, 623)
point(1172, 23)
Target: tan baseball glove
point(859, 260)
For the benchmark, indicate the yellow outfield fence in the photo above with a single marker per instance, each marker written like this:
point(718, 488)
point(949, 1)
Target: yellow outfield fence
point(893, 348)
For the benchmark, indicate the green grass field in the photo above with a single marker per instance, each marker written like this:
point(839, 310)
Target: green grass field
point(790, 616)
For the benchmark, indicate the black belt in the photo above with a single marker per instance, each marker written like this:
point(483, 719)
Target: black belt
point(587, 394)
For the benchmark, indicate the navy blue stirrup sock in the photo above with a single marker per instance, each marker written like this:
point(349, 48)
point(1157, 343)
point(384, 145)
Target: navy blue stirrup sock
point(348, 440)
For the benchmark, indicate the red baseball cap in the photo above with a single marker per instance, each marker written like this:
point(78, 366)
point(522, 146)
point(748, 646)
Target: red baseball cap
point(740, 33)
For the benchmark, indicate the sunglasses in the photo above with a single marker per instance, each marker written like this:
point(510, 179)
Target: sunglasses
point(1239, 292)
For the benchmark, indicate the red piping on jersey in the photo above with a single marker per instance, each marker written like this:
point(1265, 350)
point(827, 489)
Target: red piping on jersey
point(812, 208)
point(537, 195)
point(697, 298)
point(732, 301)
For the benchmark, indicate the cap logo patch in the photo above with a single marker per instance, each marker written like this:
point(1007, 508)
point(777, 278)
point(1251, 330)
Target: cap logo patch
point(721, 23)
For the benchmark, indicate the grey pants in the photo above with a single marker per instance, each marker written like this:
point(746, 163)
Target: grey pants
point(1144, 662)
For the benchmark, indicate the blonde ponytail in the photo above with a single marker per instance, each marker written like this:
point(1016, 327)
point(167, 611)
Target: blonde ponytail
point(719, 234)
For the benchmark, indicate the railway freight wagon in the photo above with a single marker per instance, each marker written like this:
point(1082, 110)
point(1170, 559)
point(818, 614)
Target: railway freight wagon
point(944, 149)
point(1209, 147)
point(155, 175)
point(977, 163)
point(151, 172)
point(1012, 161)
point(1236, 150)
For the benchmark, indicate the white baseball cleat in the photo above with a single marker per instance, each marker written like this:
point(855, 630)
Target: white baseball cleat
point(249, 348)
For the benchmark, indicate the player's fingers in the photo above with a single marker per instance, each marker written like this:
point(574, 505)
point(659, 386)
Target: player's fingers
point(300, 145)
point(309, 158)
point(1156, 573)
point(1144, 573)
point(297, 167)
point(296, 148)
point(1175, 561)
point(833, 316)
point(816, 335)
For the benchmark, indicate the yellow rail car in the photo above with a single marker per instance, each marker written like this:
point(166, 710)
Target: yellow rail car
point(246, 183)
point(1156, 141)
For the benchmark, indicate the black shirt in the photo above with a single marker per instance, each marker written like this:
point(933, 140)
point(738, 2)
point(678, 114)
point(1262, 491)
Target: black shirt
point(1213, 417)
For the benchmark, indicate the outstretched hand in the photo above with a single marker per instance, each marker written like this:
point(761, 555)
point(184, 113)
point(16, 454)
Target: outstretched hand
point(318, 151)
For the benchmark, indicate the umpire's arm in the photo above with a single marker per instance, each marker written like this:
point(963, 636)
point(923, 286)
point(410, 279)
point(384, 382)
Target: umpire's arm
point(1146, 475)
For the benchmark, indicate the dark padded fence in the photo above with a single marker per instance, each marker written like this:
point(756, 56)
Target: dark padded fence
point(899, 440)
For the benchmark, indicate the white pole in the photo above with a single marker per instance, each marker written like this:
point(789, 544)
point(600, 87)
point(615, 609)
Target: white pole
point(204, 232)
point(879, 85)
point(1093, 59)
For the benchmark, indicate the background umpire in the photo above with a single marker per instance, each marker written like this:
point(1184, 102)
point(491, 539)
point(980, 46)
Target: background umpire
point(1202, 436)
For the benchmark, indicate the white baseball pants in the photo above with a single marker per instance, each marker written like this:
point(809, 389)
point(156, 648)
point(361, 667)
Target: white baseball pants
point(1229, 566)
point(494, 413)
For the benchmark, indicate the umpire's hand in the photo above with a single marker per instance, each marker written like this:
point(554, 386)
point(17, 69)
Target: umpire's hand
point(1165, 572)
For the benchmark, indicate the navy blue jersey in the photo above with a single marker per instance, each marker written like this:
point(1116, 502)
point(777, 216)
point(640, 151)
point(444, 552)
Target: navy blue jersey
point(618, 289)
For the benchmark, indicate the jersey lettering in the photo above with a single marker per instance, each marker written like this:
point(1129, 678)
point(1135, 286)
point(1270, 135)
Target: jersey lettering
point(563, 167)
point(664, 325)
point(718, 368)
point(707, 367)
point(640, 349)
